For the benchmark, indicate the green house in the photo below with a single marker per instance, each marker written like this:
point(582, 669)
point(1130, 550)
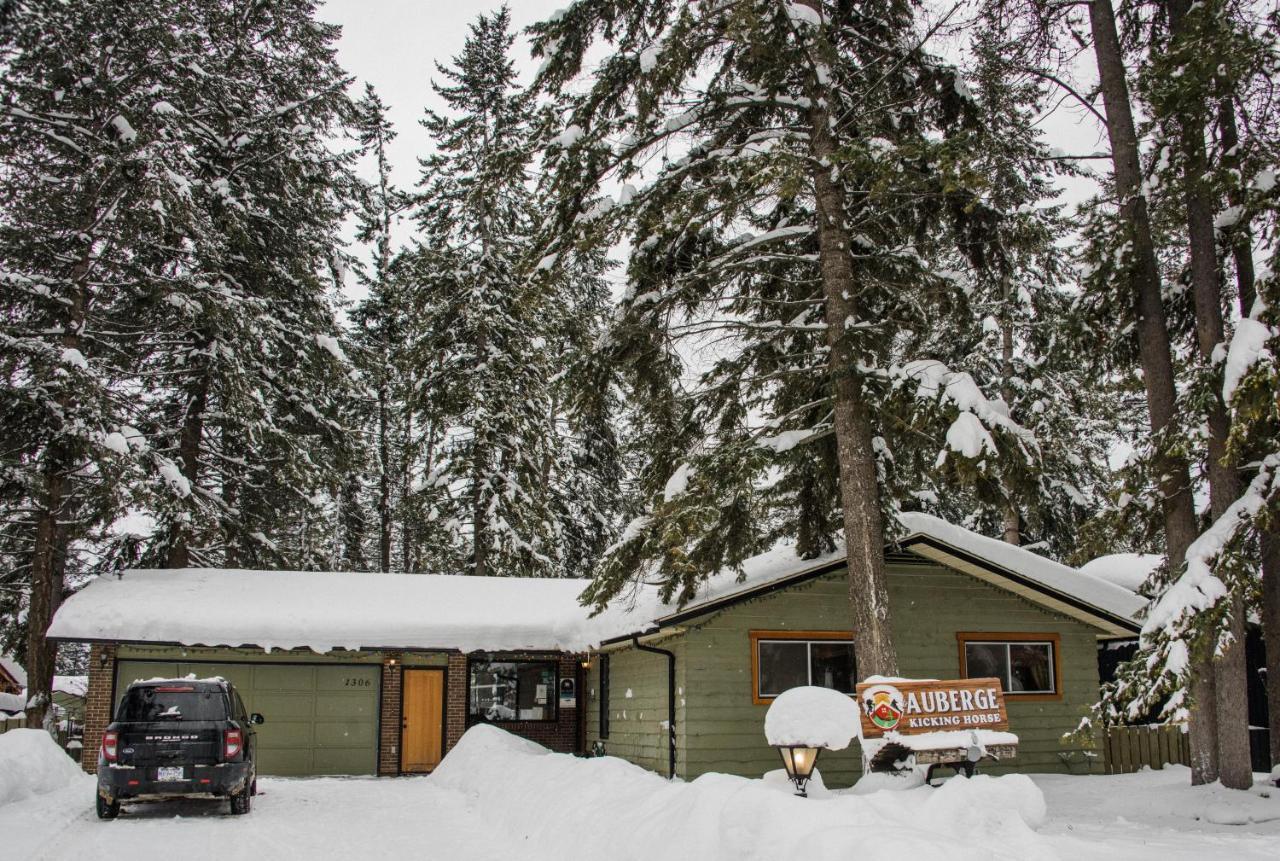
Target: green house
point(383, 673)
point(961, 604)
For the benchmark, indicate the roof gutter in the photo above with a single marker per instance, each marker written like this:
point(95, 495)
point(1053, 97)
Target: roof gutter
point(671, 700)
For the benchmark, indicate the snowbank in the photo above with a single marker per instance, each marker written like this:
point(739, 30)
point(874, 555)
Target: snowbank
point(31, 763)
point(813, 716)
point(607, 808)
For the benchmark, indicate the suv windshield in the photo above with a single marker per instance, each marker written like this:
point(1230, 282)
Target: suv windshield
point(172, 702)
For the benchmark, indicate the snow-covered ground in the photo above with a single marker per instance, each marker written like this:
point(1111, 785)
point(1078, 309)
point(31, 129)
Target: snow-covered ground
point(500, 797)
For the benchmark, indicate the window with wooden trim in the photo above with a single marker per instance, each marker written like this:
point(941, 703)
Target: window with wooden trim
point(781, 660)
point(1028, 665)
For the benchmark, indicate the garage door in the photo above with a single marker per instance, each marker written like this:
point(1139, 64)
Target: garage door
point(320, 718)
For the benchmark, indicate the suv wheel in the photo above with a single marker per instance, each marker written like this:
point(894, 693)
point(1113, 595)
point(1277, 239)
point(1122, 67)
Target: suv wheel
point(107, 809)
point(241, 801)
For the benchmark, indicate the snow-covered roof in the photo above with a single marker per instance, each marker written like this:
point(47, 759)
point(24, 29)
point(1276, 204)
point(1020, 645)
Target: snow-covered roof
point(14, 669)
point(327, 611)
point(1061, 583)
point(12, 703)
point(72, 686)
point(1126, 570)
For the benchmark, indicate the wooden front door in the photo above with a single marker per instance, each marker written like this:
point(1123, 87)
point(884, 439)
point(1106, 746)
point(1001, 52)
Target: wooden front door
point(422, 725)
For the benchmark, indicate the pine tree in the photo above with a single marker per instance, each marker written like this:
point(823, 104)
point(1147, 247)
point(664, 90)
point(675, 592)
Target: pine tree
point(794, 232)
point(499, 485)
point(79, 185)
point(244, 368)
point(380, 321)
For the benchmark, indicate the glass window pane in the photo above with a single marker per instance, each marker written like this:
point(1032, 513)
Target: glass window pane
point(493, 690)
point(986, 659)
point(784, 664)
point(831, 665)
point(537, 691)
point(1031, 667)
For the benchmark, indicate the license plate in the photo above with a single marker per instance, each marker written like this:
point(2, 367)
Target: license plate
point(173, 772)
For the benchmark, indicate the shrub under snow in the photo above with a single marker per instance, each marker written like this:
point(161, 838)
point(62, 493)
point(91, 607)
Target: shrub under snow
point(608, 808)
point(31, 763)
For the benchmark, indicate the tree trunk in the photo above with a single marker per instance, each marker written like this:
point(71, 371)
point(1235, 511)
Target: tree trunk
point(1231, 701)
point(41, 654)
point(1241, 240)
point(384, 477)
point(46, 566)
point(1011, 518)
point(859, 481)
point(189, 443)
point(1156, 357)
point(1271, 631)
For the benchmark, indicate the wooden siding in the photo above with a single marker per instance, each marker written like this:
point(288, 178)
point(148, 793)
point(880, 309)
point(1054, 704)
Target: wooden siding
point(638, 706)
point(719, 728)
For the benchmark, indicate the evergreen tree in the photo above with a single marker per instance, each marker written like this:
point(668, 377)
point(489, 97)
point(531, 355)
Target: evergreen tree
point(496, 335)
point(78, 188)
point(380, 322)
point(243, 366)
point(794, 233)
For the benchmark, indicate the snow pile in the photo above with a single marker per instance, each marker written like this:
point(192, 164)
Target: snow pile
point(630, 813)
point(1126, 570)
point(812, 716)
point(31, 763)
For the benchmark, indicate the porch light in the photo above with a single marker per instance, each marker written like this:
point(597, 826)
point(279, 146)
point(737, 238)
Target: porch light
point(799, 761)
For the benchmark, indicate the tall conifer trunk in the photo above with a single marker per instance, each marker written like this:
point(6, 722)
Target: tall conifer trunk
point(46, 568)
point(1156, 357)
point(1231, 700)
point(1247, 292)
point(859, 481)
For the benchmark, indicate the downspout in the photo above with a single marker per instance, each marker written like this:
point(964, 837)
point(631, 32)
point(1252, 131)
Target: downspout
point(671, 701)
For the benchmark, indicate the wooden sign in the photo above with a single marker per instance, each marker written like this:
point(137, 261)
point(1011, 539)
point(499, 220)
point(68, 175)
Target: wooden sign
point(910, 707)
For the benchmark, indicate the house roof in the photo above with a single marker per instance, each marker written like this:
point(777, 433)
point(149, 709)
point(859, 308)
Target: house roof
point(327, 611)
point(14, 670)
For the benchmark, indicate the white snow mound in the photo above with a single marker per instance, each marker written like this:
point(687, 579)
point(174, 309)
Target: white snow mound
point(813, 716)
point(31, 763)
point(720, 817)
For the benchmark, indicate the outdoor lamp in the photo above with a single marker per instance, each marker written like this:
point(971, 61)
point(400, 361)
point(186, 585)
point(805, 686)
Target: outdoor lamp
point(799, 761)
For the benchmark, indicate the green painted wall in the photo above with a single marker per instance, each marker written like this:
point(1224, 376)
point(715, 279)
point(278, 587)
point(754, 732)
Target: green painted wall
point(638, 705)
point(720, 729)
point(321, 717)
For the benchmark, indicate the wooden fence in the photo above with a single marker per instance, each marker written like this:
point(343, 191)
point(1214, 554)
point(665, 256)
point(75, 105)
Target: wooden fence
point(7, 722)
point(1129, 748)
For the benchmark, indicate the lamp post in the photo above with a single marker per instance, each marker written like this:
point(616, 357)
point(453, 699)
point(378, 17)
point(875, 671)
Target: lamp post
point(799, 761)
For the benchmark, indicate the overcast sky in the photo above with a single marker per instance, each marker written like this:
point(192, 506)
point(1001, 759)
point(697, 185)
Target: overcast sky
point(395, 45)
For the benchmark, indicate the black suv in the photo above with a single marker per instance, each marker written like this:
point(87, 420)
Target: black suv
point(178, 738)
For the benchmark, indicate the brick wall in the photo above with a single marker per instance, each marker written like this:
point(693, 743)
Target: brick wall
point(389, 711)
point(455, 707)
point(564, 734)
point(97, 703)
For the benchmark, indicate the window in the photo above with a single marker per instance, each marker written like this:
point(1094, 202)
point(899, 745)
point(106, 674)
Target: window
point(513, 690)
point(1026, 664)
point(788, 659)
point(604, 696)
